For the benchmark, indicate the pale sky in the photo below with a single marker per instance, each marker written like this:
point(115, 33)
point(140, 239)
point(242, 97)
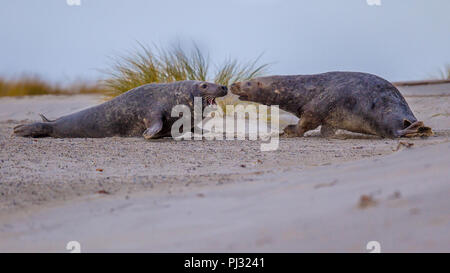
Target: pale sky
point(399, 40)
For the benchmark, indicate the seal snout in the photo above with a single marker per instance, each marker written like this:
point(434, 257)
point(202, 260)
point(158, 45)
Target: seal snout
point(235, 88)
point(223, 90)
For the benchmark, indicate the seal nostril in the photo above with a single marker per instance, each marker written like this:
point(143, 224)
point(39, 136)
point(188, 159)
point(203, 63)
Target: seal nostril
point(224, 88)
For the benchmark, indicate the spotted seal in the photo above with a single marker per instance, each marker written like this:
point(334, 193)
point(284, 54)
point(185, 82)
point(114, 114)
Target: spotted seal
point(145, 110)
point(353, 101)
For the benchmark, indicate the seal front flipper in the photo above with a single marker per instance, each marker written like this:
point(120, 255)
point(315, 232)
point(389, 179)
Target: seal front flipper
point(154, 126)
point(307, 122)
point(290, 131)
point(327, 130)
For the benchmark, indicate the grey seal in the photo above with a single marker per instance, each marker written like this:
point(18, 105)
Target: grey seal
point(353, 101)
point(142, 111)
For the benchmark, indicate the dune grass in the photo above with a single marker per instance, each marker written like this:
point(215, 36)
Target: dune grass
point(148, 64)
point(145, 65)
point(445, 73)
point(34, 85)
point(155, 65)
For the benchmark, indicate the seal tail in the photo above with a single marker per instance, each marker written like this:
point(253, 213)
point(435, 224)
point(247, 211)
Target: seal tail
point(38, 129)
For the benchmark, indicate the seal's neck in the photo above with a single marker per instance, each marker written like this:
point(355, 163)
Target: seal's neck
point(291, 93)
point(286, 99)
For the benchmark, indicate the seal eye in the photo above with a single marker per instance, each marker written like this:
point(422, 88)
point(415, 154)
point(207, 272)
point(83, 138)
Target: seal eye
point(204, 86)
point(248, 84)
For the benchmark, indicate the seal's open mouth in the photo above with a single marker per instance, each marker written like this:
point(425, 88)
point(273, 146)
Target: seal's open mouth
point(243, 97)
point(211, 101)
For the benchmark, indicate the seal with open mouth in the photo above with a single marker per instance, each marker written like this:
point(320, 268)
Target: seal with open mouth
point(144, 110)
point(353, 101)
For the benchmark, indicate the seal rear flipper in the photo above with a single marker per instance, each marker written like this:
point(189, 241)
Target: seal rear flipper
point(154, 126)
point(44, 119)
point(416, 129)
point(37, 129)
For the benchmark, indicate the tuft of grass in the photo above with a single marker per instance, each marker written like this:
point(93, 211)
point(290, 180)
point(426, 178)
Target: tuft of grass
point(232, 71)
point(445, 73)
point(155, 65)
point(34, 85)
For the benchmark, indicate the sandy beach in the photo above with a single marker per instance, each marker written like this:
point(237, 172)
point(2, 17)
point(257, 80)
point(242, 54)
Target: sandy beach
point(312, 194)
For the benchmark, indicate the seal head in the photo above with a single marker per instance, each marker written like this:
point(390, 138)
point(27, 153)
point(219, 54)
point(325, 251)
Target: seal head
point(256, 90)
point(209, 92)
